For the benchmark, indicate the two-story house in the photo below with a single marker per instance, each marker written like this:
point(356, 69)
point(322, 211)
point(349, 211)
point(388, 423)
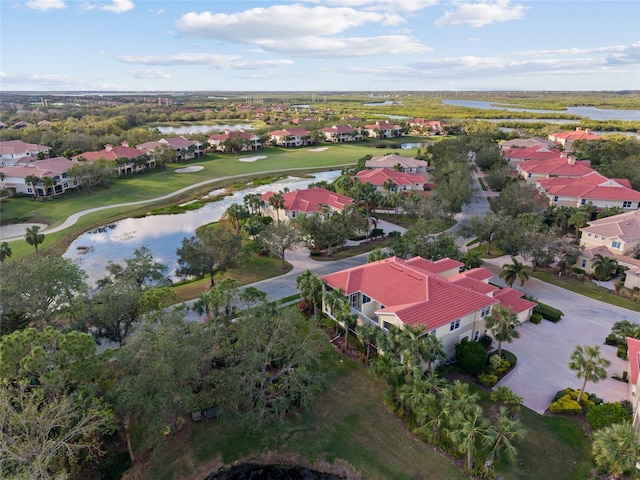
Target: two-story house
point(566, 139)
point(383, 130)
point(342, 133)
point(399, 163)
point(185, 149)
point(419, 292)
point(128, 159)
point(305, 201)
point(290, 137)
point(406, 183)
point(56, 168)
point(560, 166)
point(11, 151)
point(239, 139)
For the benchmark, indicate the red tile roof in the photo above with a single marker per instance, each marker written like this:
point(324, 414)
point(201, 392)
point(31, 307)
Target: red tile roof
point(112, 153)
point(537, 152)
point(577, 134)
point(293, 132)
point(308, 201)
point(18, 147)
point(178, 142)
point(225, 136)
point(590, 187)
point(559, 166)
point(378, 176)
point(339, 129)
point(49, 167)
point(512, 299)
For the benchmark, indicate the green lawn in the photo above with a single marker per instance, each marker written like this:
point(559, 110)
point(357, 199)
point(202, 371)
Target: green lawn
point(349, 424)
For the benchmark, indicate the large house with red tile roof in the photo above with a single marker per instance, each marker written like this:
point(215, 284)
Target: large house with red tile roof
point(290, 137)
point(616, 237)
point(185, 149)
point(516, 155)
point(566, 139)
point(633, 354)
point(399, 163)
point(422, 126)
point(419, 292)
point(11, 151)
point(592, 188)
point(383, 130)
point(560, 166)
point(128, 159)
point(527, 143)
point(243, 141)
point(342, 133)
point(56, 168)
point(403, 182)
point(306, 201)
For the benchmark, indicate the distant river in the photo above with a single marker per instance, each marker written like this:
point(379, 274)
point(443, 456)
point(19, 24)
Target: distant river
point(589, 112)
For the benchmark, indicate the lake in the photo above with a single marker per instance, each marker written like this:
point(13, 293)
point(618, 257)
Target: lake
point(163, 234)
point(190, 129)
point(589, 112)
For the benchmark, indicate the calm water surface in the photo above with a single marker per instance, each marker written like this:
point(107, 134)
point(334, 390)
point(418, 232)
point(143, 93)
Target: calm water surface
point(190, 129)
point(162, 234)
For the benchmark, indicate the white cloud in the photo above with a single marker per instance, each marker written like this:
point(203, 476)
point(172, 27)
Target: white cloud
point(156, 12)
point(2, 74)
point(154, 73)
point(482, 13)
point(230, 62)
point(118, 6)
point(299, 30)
point(390, 5)
point(45, 4)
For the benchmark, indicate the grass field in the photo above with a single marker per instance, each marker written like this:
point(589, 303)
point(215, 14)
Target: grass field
point(350, 425)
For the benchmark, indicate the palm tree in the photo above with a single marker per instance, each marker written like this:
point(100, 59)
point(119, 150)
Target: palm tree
point(377, 255)
point(625, 328)
point(395, 200)
point(33, 237)
point(48, 184)
point(347, 318)
point(389, 185)
point(469, 430)
point(588, 364)
point(501, 436)
point(310, 287)
point(276, 201)
point(32, 180)
point(502, 323)
point(513, 271)
point(603, 267)
point(367, 333)
point(432, 350)
point(236, 213)
point(507, 398)
point(333, 299)
point(616, 449)
point(5, 252)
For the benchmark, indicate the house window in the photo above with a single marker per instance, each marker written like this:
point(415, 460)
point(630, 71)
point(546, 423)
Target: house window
point(588, 235)
point(555, 198)
point(386, 325)
point(365, 299)
point(454, 326)
point(583, 264)
point(528, 175)
point(433, 332)
point(485, 311)
point(66, 185)
point(583, 201)
point(29, 190)
point(476, 335)
point(293, 214)
point(404, 188)
point(353, 300)
point(615, 244)
point(626, 204)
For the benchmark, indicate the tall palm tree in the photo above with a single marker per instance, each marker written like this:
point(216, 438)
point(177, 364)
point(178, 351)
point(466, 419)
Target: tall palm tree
point(5, 252)
point(603, 267)
point(395, 200)
point(377, 255)
point(589, 365)
point(236, 213)
point(389, 185)
point(33, 181)
point(276, 201)
point(33, 237)
point(515, 271)
point(48, 183)
point(502, 324)
point(616, 449)
point(500, 437)
point(432, 350)
point(347, 319)
point(310, 287)
point(368, 334)
point(470, 429)
point(625, 328)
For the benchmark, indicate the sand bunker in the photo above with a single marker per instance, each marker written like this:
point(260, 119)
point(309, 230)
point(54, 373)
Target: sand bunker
point(319, 149)
point(252, 159)
point(194, 168)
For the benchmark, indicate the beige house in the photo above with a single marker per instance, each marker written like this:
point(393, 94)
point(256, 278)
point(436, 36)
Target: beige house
point(419, 292)
point(342, 134)
point(11, 151)
point(306, 201)
point(56, 168)
point(399, 163)
point(383, 130)
point(290, 137)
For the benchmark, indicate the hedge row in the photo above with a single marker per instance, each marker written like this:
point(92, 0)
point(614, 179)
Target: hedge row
point(548, 312)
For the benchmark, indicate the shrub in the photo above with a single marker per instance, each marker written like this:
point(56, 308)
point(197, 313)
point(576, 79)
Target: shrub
point(578, 271)
point(612, 340)
point(485, 340)
point(565, 404)
point(536, 318)
point(548, 312)
point(622, 352)
point(607, 414)
point(471, 357)
point(488, 380)
point(509, 357)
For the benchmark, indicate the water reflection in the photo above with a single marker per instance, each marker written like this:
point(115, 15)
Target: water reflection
point(163, 234)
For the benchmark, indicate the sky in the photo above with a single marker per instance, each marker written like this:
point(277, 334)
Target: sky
point(319, 45)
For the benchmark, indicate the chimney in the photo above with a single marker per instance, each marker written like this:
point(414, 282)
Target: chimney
point(124, 143)
point(578, 129)
point(572, 160)
point(108, 147)
point(588, 130)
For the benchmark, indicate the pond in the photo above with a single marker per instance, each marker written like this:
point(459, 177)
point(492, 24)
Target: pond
point(212, 128)
point(271, 472)
point(589, 112)
point(163, 234)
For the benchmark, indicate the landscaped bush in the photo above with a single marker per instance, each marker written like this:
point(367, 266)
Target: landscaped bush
point(485, 340)
point(606, 414)
point(566, 404)
point(612, 340)
point(548, 312)
point(622, 352)
point(471, 357)
point(578, 271)
point(510, 357)
point(536, 318)
point(488, 380)
point(562, 399)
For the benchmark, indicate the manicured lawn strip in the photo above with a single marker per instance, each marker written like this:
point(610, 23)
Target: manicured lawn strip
point(554, 447)
point(347, 252)
point(253, 270)
point(349, 422)
point(588, 289)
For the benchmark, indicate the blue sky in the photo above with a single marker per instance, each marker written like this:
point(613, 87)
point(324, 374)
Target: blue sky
point(319, 45)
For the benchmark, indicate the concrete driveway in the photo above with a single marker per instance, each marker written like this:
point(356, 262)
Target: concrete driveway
point(544, 350)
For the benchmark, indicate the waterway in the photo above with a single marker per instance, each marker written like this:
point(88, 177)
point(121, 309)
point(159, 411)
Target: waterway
point(212, 128)
point(588, 112)
point(163, 234)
